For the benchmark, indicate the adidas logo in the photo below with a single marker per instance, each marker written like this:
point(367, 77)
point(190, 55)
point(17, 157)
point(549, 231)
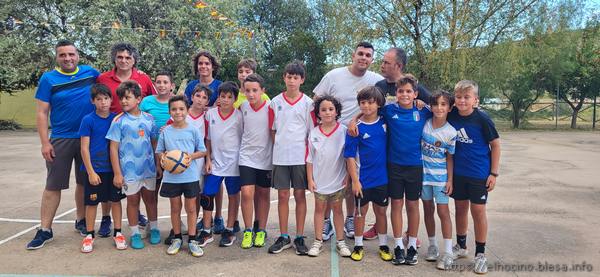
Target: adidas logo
point(366, 136)
point(463, 137)
point(395, 116)
point(482, 197)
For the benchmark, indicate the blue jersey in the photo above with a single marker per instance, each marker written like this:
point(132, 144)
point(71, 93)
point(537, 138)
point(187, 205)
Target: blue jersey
point(69, 99)
point(473, 155)
point(405, 129)
point(369, 150)
point(214, 86)
point(436, 144)
point(188, 140)
point(158, 110)
point(135, 135)
point(96, 127)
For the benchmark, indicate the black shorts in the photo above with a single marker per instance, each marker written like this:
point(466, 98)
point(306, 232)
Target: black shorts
point(189, 190)
point(377, 195)
point(59, 170)
point(466, 188)
point(405, 180)
point(253, 176)
point(286, 176)
point(105, 191)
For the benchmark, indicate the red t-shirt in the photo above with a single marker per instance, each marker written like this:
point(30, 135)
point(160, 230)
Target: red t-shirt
point(110, 79)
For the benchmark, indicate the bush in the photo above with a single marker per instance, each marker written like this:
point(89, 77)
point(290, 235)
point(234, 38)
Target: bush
point(9, 125)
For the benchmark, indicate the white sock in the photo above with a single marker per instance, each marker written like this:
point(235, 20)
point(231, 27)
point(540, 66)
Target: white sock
point(433, 241)
point(448, 245)
point(412, 241)
point(153, 225)
point(399, 242)
point(134, 229)
point(358, 240)
point(382, 239)
point(46, 229)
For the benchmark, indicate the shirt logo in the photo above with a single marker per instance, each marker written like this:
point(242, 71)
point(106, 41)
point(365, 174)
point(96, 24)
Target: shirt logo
point(366, 136)
point(141, 133)
point(279, 108)
point(395, 116)
point(463, 137)
point(245, 112)
point(212, 121)
point(483, 197)
point(93, 197)
point(437, 143)
point(416, 116)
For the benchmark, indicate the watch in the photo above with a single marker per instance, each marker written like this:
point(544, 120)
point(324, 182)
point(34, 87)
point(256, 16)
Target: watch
point(494, 174)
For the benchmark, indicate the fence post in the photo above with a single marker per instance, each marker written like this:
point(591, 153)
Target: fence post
point(557, 95)
point(594, 114)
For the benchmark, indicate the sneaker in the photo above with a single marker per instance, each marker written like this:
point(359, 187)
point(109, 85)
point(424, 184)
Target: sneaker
point(41, 237)
point(204, 238)
point(105, 227)
point(315, 249)
point(480, 264)
point(195, 249)
point(247, 240)
point(405, 241)
point(349, 227)
point(142, 220)
point(432, 253)
point(87, 245)
point(459, 252)
point(236, 226)
point(174, 247)
point(120, 241)
point(80, 227)
point(218, 225)
point(200, 225)
point(398, 256)
point(300, 247)
point(327, 229)
point(358, 253)
point(227, 238)
point(342, 248)
point(136, 241)
point(280, 244)
point(170, 237)
point(371, 233)
point(154, 236)
point(384, 253)
point(259, 239)
point(445, 262)
point(411, 256)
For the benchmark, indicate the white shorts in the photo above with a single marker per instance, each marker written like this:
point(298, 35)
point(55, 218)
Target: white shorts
point(131, 188)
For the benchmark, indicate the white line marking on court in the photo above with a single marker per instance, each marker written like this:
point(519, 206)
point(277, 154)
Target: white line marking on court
point(33, 227)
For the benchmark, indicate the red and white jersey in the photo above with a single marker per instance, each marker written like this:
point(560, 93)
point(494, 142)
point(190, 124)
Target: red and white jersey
point(326, 154)
point(225, 135)
point(257, 146)
point(292, 122)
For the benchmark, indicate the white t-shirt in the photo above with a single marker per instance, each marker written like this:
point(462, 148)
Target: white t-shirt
point(225, 135)
point(257, 147)
point(200, 123)
point(292, 123)
point(326, 154)
point(343, 85)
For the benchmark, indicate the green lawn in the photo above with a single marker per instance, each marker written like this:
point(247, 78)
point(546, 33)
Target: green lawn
point(20, 107)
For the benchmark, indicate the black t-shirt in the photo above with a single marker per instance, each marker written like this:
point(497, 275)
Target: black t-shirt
point(389, 89)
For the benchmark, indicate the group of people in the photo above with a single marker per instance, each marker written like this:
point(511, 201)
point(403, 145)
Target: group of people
point(344, 144)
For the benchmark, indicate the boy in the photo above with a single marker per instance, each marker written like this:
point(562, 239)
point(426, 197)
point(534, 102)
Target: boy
point(367, 151)
point(437, 147)
point(255, 160)
point(98, 186)
point(477, 160)
point(187, 138)
point(133, 139)
point(291, 120)
point(158, 105)
point(245, 68)
point(223, 145)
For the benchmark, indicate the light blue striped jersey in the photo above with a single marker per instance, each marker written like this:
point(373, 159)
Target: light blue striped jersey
point(435, 144)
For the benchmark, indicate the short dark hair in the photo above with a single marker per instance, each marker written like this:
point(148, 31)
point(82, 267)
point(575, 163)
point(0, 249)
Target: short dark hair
point(229, 87)
point(371, 92)
point(365, 44)
point(441, 94)
point(400, 56)
point(249, 63)
point(64, 42)
point(213, 61)
point(336, 103)
point(295, 68)
point(165, 73)
point(123, 46)
point(100, 89)
point(129, 86)
point(408, 79)
point(256, 79)
point(181, 98)
point(200, 87)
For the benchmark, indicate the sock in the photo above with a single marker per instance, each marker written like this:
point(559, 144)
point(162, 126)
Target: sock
point(46, 229)
point(479, 247)
point(248, 230)
point(229, 229)
point(382, 239)
point(178, 236)
point(399, 242)
point(206, 230)
point(412, 242)
point(448, 245)
point(153, 225)
point(350, 217)
point(106, 216)
point(88, 233)
point(358, 240)
point(134, 229)
point(433, 241)
point(285, 236)
point(191, 238)
point(462, 241)
point(299, 236)
point(116, 232)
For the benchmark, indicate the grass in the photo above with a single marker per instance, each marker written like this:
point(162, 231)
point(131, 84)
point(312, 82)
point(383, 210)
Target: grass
point(19, 107)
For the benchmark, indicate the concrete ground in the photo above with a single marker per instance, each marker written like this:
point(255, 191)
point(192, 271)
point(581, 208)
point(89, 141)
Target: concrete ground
point(543, 217)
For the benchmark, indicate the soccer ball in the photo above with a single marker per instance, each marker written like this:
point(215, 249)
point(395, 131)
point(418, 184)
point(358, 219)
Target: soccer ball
point(175, 161)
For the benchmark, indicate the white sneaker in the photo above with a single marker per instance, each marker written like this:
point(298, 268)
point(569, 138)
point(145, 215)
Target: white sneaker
point(174, 247)
point(87, 245)
point(343, 249)
point(195, 249)
point(120, 241)
point(445, 261)
point(432, 253)
point(480, 266)
point(459, 252)
point(315, 249)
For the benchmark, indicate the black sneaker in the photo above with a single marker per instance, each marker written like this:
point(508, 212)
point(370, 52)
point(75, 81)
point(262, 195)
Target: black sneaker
point(301, 249)
point(398, 256)
point(280, 244)
point(80, 227)
point(170, 237)
point(204, 238)
point(227, 238)
point(411, 256)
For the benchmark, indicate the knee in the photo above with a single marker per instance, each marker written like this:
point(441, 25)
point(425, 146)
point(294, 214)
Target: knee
point(207, 202)
point(283, 193)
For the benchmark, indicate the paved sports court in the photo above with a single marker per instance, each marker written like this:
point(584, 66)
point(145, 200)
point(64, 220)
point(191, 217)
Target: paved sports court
point(543, 215)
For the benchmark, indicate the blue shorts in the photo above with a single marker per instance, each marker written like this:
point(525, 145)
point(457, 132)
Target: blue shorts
point(437, 192)
point(212, 184)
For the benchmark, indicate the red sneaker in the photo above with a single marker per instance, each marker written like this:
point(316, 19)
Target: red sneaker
point(371, 233)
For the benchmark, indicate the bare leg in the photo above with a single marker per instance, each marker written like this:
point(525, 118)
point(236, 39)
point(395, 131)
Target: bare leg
point(248, 204)
point(233, 207)
point(444, 214)
point(283, 208)
point(412, 208)
point(396, 214)
point(428, 213)
point(176, 214)
point(50, 202)
point(300, 197)
point(461, 216)
point(338, 219)
point(190, 210)
point(320, 207)
point(90, 217)
point(79, 201)
point(149, 197)
point(264, 205)
point(117, 214)
point(479, 221)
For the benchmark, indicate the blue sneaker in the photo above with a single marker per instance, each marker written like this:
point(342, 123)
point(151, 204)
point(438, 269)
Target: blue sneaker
point(219, 225)
point(199, 225)
point(236, 226)
point(154, 236)
point(142, 220)
point(105, 227)
point(80, 227)
point(137, 242)
point(41, 237)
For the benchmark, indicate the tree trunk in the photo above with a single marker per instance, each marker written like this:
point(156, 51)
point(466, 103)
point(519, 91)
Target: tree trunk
point(574, 118)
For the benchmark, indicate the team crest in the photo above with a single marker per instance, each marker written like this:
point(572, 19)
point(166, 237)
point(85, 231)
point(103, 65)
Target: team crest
point(279, 108)
point(437, 143)
point(245, 112)
point(416, 116)
point(212, 121)
point(93, 197)
point(141, 132)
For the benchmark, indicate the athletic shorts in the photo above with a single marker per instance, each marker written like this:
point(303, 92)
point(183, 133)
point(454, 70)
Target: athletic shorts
point(58, 175)
point(253, 176)
point(289, 176)
point(377, 195)
point(405, 180)
point(466, 188)
point(105, 191)
point(435, 192)
point(189, 190)
point(212, 184)
point(131, 188)
point(336, 196)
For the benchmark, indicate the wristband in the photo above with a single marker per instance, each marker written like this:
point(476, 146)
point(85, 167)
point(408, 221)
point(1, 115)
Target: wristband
point(494, 174)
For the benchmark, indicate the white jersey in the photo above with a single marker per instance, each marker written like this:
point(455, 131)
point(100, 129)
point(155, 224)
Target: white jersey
point(225, 135)
point(200, 123)
point(292, 123)
point(344, 86)
point(326, 154)
point(257, 147)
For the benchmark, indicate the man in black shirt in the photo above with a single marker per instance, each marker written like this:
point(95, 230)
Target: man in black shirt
point(392, 68)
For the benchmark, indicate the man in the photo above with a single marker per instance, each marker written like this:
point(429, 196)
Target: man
point(63, 95)
point(392, 68)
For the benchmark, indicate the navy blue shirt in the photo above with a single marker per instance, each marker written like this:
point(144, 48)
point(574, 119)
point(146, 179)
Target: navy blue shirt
point(405, 130)
point(368, 148)
point(96, 127)
point(214, 86)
